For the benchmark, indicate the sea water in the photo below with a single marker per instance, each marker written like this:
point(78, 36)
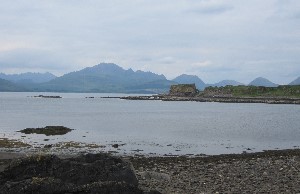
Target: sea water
point(147, 127)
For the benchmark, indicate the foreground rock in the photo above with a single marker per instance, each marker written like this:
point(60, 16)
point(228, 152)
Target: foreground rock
point(48, 130)
point(90, 173)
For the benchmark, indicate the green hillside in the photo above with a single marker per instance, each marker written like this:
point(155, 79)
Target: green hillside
point(254, 91)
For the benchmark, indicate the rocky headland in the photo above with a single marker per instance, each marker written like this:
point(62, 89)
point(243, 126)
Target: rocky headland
point(228, 94)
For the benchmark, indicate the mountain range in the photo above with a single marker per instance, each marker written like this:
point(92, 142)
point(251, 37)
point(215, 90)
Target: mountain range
point(110, 78)
point(28, 77)
point(107, 77)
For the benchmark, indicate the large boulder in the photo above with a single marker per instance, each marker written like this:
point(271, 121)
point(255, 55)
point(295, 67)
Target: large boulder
point(91, 173)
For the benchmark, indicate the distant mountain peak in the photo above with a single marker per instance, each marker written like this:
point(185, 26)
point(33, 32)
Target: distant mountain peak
point(295, 82)
point(261, 81)
point(227, 83)
point(190, 79)
point(108, 65)
point(187, 76)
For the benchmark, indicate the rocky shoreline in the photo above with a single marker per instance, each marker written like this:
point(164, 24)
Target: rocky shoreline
point(228, 94)
point(264, 172)
point(222, 99)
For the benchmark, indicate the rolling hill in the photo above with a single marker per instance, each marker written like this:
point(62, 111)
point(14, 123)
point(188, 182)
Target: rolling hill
point(260, 81)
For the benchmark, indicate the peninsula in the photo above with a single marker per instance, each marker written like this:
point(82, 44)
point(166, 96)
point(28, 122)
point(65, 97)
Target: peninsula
point(287, 94)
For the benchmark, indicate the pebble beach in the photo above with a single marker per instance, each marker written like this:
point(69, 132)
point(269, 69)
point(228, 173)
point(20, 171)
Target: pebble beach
point(264, 172)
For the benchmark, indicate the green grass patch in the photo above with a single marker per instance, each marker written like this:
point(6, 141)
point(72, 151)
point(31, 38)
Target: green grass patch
point(255, 91)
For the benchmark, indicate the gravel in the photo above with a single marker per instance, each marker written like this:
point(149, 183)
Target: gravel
point(266, 172)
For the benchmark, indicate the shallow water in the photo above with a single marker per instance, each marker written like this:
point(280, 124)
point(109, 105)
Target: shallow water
point(153, 126)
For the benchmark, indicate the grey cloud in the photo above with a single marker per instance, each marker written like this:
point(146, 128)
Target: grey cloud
point(31, 59)
point(145, 59)
point(161, 36)
point(211, 9)
point(296, 16)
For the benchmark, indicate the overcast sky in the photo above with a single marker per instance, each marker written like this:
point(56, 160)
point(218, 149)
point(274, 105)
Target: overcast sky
point(213, 39)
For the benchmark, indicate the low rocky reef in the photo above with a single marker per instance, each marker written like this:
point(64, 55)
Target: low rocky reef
point(48, 130)
point(228, 94)
point(43, 96)
point(91, 173)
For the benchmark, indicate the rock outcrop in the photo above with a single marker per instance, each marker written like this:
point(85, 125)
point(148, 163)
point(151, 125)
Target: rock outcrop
point(48, 130)
point(91, 173)
point(183, 90)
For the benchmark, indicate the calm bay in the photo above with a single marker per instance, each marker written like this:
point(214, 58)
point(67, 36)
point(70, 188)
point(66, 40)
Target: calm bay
point(152, 126)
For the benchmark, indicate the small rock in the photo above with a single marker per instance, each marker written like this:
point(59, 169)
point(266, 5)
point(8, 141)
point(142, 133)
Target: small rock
point(155, 175)
point(48, 146)
point(265, 174)
point(115, 145)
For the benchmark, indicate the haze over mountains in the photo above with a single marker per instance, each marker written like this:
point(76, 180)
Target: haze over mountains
point(226, 83)
point(7, 86)
point(110, 78)
point(295, 82)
